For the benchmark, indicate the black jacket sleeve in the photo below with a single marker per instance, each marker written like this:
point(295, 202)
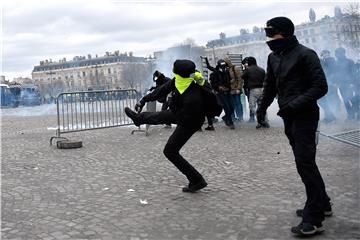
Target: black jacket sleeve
point(317, 81)
point(159, 92)
point(208, 66)
point(269, 91)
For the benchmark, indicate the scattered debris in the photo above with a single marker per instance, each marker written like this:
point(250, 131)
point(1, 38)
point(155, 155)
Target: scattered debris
point(106, 188)
point(131, 190)
point(226, 162)
point(143, 201)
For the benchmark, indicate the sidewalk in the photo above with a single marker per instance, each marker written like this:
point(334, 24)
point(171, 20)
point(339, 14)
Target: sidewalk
point(99, 191)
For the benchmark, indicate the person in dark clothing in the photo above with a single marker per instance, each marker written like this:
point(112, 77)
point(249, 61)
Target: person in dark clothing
point(295, 75)
point(331, 101)
point(187, 110)
point(345, 69)
point(160, 79)
point(220, 80)
point(253, 84)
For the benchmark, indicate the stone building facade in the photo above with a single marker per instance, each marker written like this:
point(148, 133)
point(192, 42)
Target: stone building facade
point(327, 33)
point(112, 71)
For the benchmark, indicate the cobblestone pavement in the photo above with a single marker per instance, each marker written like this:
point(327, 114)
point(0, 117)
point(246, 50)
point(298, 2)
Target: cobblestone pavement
point(95, 192)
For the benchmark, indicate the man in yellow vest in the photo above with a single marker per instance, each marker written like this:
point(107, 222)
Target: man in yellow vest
point(187, 110)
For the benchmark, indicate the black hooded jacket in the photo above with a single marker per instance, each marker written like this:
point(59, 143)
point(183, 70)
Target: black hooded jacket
point(188, 107)
point(295, 75)
point(220, 81)
point(253, 77)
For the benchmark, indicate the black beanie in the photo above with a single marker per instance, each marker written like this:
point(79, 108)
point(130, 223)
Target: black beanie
point(283, 24)
point(184, 67)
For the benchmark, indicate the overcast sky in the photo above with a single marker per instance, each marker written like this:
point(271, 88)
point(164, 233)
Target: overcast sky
point(35, 30)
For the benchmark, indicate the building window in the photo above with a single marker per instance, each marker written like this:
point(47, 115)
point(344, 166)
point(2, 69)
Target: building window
point(84, 74)
point(306, 40)
point(305, 32)
point(109, 70)
point(312, 31)
point(313, 40)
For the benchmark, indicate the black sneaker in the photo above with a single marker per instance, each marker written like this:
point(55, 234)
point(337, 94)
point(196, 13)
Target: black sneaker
point(210, 128)
point(307, 229)
point(263, 125)
point(193, 187)
point(133, 116)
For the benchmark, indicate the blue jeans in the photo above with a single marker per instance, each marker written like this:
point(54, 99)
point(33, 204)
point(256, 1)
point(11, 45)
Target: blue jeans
point(237, 106)
point(228, 106)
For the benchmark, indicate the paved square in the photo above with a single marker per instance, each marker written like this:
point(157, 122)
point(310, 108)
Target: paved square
point(99, 191)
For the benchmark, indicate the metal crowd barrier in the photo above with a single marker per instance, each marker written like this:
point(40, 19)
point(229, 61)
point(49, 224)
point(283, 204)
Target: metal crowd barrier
point(90, 110)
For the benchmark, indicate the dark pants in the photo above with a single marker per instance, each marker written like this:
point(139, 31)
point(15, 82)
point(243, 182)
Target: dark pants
point(175, 142)
point(228, 106)
point(156, 118)
point(301, 135)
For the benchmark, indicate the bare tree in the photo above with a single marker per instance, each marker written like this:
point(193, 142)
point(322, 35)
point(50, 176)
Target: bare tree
point(135, 75)
point(352, 9)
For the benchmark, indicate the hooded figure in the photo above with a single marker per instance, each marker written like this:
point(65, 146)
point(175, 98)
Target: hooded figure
point(295, 76)
point(220, 80)
point(236, 86)
point(187, 110)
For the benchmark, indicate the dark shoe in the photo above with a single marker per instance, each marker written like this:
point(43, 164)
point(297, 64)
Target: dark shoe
point(307, 229)
point(263, 125)
point(210, 128)
point(193, 187)
point(133, 116)
point(231, 126)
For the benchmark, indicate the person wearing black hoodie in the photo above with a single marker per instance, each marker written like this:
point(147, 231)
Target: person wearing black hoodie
point(187, 110)
point(295, 75)
point(220, 80)
point(253, 84)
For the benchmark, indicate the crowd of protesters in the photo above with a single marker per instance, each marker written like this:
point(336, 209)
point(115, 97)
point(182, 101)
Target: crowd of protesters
point(295, 75)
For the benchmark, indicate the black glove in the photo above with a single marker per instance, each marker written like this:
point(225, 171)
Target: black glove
point(139, 105)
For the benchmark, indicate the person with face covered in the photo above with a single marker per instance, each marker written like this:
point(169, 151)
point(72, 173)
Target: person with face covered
point(331, 101)
point(187, 110)
point(220, 80)
point(253, 83)
point(295, 76)
point(160, 79)
point(345, 75)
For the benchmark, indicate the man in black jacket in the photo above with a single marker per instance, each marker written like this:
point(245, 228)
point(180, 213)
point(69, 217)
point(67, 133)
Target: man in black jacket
point(295, 75)
point(253, 83)
point(220, 80)
point(187, 110)
point(160, 79)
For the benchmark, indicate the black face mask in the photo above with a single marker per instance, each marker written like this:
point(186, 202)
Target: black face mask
point(278, 45)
